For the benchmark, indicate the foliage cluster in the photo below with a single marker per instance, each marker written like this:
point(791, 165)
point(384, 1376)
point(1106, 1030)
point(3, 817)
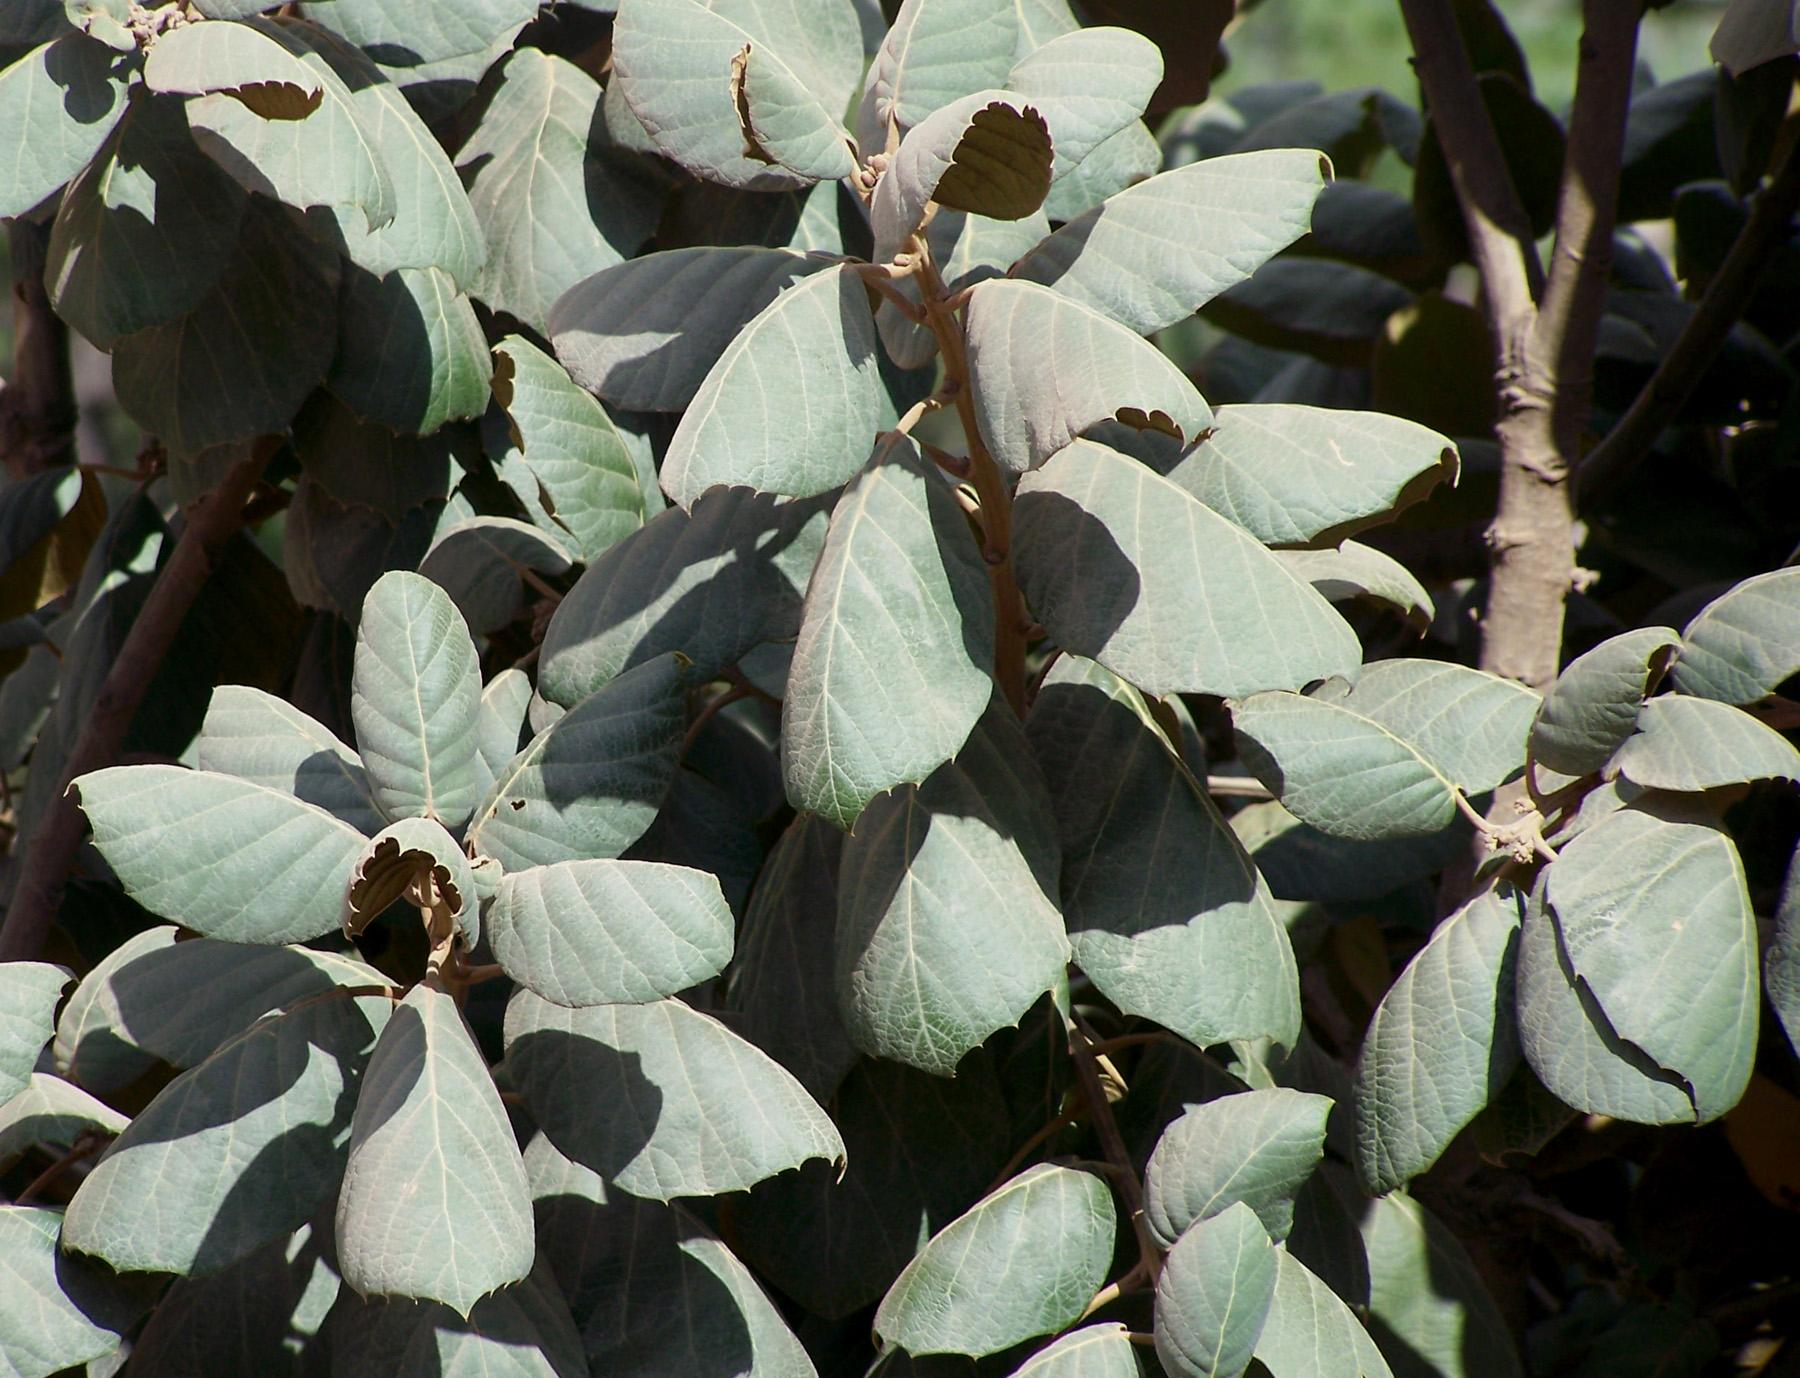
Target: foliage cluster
point(872, 743)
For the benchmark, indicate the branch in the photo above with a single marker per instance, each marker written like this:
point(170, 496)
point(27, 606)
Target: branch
point(1081, 1048)
point(50, 850)
point(37, 404)
point(1725, 300)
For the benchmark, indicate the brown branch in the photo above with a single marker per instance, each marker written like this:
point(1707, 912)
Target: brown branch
point(50, 850)
point(1725, 300)
point(1081, 1049)
point(37, 404)
point(1544, 328)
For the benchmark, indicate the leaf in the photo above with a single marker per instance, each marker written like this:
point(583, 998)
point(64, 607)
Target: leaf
point(414, 37)
point(143, 230)
point(679, 1105)
point(1215, 1292)
point(48, 525)
point(69, 93)
point(266, 741)
point(411, 355)
point(815, 342)
point(29, 992)
point(968, 249)
point(1094, 1351)
point(1470, 722)
point(1023, 1261)
point(522, 1331)
point(1426, 1299)
point(1166, 912)
point(1442, 1043)
point(649, 1286)
point(935, 52)
point(415, 695)
point(404, 859)
point(1129, 157)
point(890, 671)
point(1653, 919)
point(1781, 962)
point(948, 928)
point(134, 1007)
point(645, 333)
point(268, 324)
point(479, 563)
point(1292, 475)
point(1098, 80)
point(588, 786)
point(551, 208)
point(610, 932)
point(224, 857)
point(571, 445)
point(1355, 570)
point(55, 1311)
point(51, 1111)
point(1744, 643)
point(1593, 706)
point(1125, 568)
point(242, 61)
point(235, 1152)
point(1750, 34)
point(988, 153)
point(1132, 258)
point(1257, 1147)
point(919, 1150)
point(1045, 369)
point(782, 983)
point(745, 95)
point(327, 159)
point(435, 1203)
point(1698, 744)
point(1310, 1333)
point(710, 583)
point(434, 225)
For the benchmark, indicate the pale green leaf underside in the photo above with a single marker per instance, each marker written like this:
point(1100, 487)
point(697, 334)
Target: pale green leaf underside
point(1166, 913)
point(1745, 642)
point(233, 1153)
point(947, 925)
point(1094, 1351)
point(1044, 369)
point(415, 692)
point(61, 100)
point(644, 334)
point(1134, 257)
point(792, 405)
point(935, 52)
point(610, 932)
point(1125, 568)
point(198, 58)
point(55, 1311)
point(1355, 570)
point(674, 1104)
point(1750, 34)
point(435, 33)
point(589, 785)
point(28, 995)
point(1129, 157)
point(434, 1202)
point(411, 354)
point(889, 673)
point(1686, 743)
point(569, 442)
point(710, 583)
point(1293, 475)
point(221, 856)
point(1258, 1147)
point(1216, 1288)
point(52, 1112)
point(1310, 1333)
point(1023, 1261)
point(266, 740)
point(134, 1007)
point(1098, 80)
point(1655, 920)
point(478, 562)
point(1594, 703)
point(1442, 1042)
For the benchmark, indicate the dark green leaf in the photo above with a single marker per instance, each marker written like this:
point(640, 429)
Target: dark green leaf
point(1593, 706)
point(1698, 744)
point(411, 354)
point(1745, 642)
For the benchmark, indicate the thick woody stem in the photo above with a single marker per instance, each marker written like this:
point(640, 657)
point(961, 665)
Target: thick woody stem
point(50, 849)
point(37, 405)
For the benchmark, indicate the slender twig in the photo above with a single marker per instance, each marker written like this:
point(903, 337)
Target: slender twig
point(1125, 1181)
point(1725, 300)
point(1136, 1278)
point(990, 485)
point(708, 711)
point(1061, 1122)
point(1237, 787)
point(1105, 1047)
point(86, 1145)
point(50, 849)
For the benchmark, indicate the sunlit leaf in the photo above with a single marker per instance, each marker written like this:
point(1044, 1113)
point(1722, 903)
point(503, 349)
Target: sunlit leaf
point(69, 93)
point(1215, 1292)
point(1258, 1147)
